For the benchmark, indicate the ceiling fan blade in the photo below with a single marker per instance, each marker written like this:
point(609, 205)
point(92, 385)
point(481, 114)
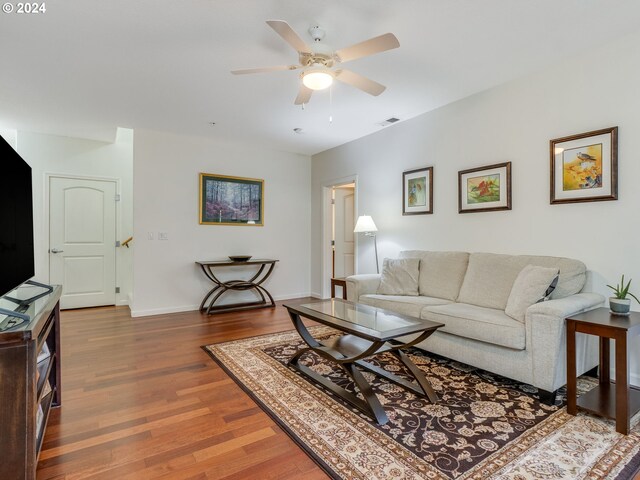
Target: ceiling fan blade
point(265, 69)
point(304, 95)
point(363, 83)
point(385, 42)
point(283, 29)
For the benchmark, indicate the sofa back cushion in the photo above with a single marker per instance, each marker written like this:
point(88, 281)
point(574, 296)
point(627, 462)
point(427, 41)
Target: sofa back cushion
point(491, 276)
point(441, 273)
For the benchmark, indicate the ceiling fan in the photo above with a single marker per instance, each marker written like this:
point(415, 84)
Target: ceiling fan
point(317, 60)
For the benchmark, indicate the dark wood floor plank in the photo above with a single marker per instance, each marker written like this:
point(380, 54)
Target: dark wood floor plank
point(142, 400)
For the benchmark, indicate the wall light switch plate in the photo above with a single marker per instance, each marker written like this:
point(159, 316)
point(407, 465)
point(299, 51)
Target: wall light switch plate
point(151, 237)
point(163, 236)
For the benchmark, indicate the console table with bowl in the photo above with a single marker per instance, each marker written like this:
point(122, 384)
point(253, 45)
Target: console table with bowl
point(220, 287)
point(367, 331)
point(619, 400)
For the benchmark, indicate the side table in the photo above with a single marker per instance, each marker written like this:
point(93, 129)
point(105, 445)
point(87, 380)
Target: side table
point(220, 287)
point(618, 400)
point(339, 282)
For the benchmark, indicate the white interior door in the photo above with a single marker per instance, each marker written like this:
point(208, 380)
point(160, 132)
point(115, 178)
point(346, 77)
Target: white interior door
point(344, 236)
point(82, 239)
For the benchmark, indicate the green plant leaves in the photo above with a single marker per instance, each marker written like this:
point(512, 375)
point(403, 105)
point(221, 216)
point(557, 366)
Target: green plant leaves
point(621, 290)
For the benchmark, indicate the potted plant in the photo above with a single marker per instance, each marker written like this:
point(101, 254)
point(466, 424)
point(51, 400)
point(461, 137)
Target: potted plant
point(619, 303)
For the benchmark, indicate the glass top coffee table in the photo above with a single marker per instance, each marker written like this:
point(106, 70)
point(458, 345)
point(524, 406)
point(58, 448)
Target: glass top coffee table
point(367, 331)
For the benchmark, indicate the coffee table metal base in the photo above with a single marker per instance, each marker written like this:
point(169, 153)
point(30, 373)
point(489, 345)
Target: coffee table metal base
point(348, 352)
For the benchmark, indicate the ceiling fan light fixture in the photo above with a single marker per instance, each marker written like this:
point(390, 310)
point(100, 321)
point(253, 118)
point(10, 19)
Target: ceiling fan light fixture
point(317, 78)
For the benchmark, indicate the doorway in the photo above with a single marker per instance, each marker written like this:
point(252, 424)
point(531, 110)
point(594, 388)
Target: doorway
point(82, 240)
point(343, 241)
point(339, 245)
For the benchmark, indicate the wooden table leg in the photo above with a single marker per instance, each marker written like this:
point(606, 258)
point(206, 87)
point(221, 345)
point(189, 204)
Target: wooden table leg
point(622, 384)
point(572, 388)
point(605, 355)
point(333, 290)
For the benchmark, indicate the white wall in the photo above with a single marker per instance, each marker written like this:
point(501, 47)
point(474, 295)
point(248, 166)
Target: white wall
point(513, 122)
point(11, 136)
point(166, 169)
point(50, 154)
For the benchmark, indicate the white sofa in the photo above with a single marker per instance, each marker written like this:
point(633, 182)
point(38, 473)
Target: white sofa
point(468, 293)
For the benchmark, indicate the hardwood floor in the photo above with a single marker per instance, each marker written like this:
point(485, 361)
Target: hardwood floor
point(142, 400)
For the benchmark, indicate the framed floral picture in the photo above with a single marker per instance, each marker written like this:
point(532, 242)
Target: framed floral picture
point(584, 167)
point(228, 200)
point(485, 189)
point(417, 191)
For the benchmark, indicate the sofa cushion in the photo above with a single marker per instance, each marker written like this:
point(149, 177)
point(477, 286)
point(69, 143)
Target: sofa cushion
point(478, 323)
point(399, 276)
point(530, 287)
point(441, 273)
point(490, 277)
point(405, 305)
point(572, 277)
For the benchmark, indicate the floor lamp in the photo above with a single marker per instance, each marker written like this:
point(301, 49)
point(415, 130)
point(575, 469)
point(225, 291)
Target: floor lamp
point(366, 225)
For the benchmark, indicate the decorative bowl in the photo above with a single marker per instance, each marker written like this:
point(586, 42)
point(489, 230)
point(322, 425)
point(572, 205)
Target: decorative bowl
point(239, 258)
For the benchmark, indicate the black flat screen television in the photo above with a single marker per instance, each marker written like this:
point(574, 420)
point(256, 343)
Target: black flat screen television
point(16, 220)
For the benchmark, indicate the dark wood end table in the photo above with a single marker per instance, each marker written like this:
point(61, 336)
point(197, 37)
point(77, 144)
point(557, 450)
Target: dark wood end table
point(367, 331)
point(618, 400)
point(339, 282)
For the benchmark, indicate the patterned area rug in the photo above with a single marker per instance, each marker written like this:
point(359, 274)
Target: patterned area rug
point(484, 427)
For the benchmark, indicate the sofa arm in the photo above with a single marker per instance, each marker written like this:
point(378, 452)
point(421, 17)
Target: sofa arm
point(565, 307)
point(546, 337)
point(361, 285)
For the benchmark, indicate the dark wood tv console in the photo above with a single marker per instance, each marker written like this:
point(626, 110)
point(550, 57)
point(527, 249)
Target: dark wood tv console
point(28, 388)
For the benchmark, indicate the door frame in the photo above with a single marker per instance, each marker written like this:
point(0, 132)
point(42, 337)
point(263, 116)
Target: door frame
point(327, 218)
point(47, 217)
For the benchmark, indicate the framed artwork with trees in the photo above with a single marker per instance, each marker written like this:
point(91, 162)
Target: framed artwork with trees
point(226, 200)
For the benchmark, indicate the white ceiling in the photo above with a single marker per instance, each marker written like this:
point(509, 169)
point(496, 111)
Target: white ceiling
point(87, 66)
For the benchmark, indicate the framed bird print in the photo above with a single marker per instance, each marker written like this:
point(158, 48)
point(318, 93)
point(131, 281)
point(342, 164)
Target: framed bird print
point(485, 189)
point(417, 191)
point(584, 167)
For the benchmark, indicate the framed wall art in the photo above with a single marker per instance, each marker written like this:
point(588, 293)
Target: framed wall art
point(485, 189)
point(584, 167)
point(228, 200)
point(417, 191)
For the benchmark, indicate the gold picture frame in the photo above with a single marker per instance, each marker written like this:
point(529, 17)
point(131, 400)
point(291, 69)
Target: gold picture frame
point(228, 200)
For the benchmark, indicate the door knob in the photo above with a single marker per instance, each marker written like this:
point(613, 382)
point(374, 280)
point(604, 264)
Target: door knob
point(55, 250)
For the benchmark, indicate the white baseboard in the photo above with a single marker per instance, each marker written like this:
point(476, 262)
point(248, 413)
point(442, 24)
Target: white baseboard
point(161, 311)
point(292, 296)
point(634, 378)
point(316, 295)
point(189, 308)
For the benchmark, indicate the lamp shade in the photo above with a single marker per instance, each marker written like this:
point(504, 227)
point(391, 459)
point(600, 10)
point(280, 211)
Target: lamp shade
point(365, 224)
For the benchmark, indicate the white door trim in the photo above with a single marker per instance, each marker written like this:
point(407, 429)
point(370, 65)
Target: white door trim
point(47, 244)
point(326, 267)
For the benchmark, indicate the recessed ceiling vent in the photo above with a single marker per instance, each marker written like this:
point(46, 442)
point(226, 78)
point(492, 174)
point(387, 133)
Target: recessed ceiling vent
point(389, 121)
